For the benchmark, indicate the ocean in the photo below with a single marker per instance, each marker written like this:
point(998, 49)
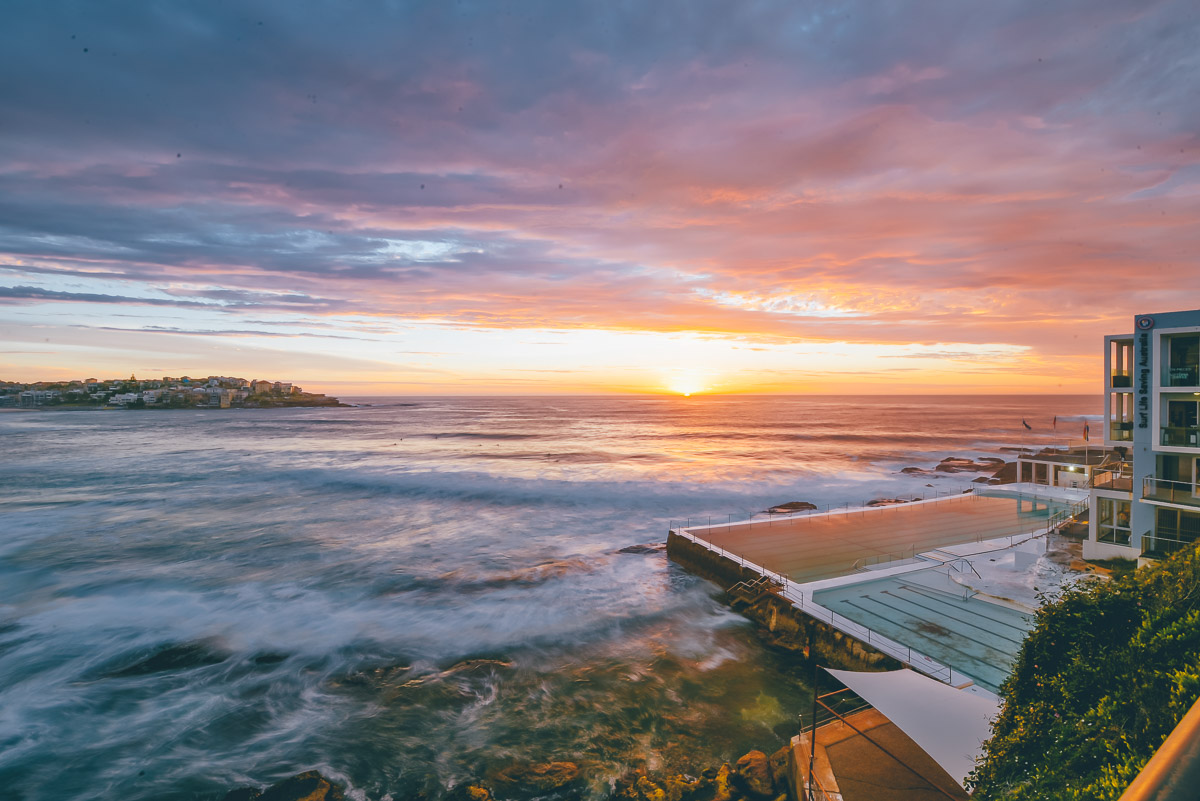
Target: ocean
point(418, 592)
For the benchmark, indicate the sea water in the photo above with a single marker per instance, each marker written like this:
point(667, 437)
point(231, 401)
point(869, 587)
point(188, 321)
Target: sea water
point(420, 591)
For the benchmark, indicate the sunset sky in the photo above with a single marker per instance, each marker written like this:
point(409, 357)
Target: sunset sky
point(450, 197)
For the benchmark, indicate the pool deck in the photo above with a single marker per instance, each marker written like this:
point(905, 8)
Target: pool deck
point(884, 575)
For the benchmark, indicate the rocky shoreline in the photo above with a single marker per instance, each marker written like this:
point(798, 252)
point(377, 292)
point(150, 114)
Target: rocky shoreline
point(754, 777)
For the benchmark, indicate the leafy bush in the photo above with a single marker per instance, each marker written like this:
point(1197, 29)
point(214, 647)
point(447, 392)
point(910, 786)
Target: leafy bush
point(1105, 675)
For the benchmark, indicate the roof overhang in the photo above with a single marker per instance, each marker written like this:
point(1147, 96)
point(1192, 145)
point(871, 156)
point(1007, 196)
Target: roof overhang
point(948, 724)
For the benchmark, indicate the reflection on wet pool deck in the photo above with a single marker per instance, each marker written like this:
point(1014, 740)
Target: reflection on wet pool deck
point(931, 613)
point(814, 547)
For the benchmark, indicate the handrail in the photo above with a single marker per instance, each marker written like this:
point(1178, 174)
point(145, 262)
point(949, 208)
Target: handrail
point(1175, 491)
point(1173, 773)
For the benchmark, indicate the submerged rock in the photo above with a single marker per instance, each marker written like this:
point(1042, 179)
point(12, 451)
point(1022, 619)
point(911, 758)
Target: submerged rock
point(307, 786)
point(539, 775)
point(648, 548)
point(887, 502)
point(184, 656)
point(472, 791)
point(755, 777)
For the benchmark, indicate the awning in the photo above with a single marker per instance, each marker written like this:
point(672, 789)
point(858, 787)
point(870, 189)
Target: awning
point(948, 724)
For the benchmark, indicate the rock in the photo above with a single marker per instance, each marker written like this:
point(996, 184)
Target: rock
point(242, 794)
point(722, 791)
point(957, 465)
point(752, 775)
point(470, 791)
point(539, 775)
point(791, 506)
point(307, 786)
point(914, 471)
point(779, 765)
point(886, 502)
point(655, 548)
point(981, 480)
point(649, 790)
point(1006, 474)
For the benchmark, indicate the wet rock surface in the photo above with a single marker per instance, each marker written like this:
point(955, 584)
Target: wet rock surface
point(957, 464)
point(655, 547)
point(791, 506)
point(541, 776)
point(754, 777)
point(307, 786)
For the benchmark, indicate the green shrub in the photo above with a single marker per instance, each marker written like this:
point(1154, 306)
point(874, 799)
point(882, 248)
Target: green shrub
point(1106, 674)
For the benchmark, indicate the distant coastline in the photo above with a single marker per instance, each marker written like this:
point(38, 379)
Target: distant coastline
point(212, 392)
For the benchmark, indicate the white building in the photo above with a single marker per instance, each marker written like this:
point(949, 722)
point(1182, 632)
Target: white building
point(1150, 506)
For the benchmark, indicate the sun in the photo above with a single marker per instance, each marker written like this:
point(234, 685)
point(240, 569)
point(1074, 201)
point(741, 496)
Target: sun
point(685, 387)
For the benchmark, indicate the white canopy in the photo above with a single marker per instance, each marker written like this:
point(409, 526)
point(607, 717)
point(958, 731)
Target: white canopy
point(950, 725)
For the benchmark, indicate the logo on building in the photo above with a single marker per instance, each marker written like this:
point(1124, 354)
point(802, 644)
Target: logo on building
point(1144, 323)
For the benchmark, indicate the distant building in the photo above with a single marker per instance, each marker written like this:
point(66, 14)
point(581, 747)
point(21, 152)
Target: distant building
point(1150, 507)
point(39, 397)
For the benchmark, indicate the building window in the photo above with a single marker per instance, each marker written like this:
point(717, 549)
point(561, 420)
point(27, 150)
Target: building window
point(1183, 423)
point(1183, 361)
point(1120, 416)
point(1120, 359)
point(1112, 525)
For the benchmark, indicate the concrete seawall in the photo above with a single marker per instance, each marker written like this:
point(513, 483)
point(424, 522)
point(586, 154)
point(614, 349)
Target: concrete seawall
point(783, 625)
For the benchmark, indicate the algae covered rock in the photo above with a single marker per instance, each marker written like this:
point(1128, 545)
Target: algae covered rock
point(471, 791)
point(242, 794)
point(752, 775)
point(307, 786)
point(543, 776)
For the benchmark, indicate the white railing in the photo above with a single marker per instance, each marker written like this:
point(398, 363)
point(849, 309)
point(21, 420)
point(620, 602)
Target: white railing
point(793, 592)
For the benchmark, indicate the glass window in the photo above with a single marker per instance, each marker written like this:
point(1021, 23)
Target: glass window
point(1183, 361)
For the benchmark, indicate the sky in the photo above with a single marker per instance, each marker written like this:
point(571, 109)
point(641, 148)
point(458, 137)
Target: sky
point(610, 197)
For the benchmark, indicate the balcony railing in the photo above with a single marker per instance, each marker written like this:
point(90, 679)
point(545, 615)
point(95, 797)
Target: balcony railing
point(1181, 436)
point(1116, 536)
point(1120, 380)
point(1161, 547)
point(1120, 432)
point(1158, 489)
point(1113, 476)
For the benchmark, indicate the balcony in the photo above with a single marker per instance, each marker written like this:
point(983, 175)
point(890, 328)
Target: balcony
point(1120, 380)
point(1162, 547)
point(1159, 490)
point(1120, 432)
point(1180, 436)
point(1117, 478)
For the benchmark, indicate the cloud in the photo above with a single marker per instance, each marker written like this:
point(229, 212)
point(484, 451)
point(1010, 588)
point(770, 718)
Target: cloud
point(912, 173)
